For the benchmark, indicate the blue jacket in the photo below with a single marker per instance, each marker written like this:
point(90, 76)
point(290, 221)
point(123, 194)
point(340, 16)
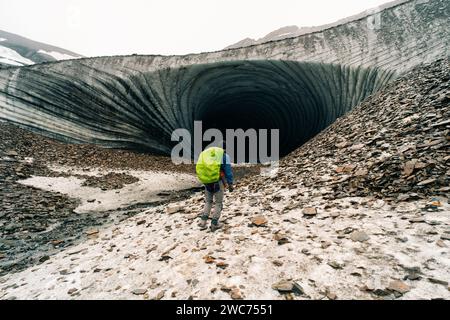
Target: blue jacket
point(226, 168)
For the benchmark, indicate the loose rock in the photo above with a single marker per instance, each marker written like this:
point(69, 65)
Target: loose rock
point(259, 221)
point(359, 236)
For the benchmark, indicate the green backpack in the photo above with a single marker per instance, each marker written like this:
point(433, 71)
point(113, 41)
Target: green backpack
point(208, 165)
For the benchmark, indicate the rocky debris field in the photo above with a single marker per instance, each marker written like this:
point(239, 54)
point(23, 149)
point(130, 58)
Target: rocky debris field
point(49, 151)
point(359, 212)
point(110, 181)
point(35, 223)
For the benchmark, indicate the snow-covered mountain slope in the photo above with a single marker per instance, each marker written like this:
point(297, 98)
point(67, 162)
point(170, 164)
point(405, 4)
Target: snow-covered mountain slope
point(19, 51)
point(9, 56)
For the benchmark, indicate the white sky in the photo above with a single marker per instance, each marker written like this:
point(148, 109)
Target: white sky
point(113, 27)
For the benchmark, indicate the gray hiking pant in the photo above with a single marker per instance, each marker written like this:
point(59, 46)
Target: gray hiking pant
point(218, 199)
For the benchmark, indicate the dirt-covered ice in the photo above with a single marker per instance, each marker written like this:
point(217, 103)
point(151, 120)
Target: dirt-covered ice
point(159, 255)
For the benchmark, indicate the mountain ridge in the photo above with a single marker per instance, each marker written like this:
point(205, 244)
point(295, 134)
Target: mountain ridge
point(293, 31)
point(16, 50)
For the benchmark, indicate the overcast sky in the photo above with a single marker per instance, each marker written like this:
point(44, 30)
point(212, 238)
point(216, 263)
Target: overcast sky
point(113, 27)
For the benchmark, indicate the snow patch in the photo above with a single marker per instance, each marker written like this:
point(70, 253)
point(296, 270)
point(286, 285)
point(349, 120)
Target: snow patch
point(2, 39)
point(146, 190)
point(10, 62)
point(58, 55)
point(284, 34)
point(10, 56)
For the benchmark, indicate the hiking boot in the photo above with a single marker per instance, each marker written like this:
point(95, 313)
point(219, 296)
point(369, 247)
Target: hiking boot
point(215, 225)
point(202, 224)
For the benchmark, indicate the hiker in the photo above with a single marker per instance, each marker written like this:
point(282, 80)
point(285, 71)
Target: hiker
point(214, 171)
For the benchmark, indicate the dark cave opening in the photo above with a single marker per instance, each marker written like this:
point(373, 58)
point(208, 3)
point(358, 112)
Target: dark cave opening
point(260, 99)
point(298, 99)
point(248, 114)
